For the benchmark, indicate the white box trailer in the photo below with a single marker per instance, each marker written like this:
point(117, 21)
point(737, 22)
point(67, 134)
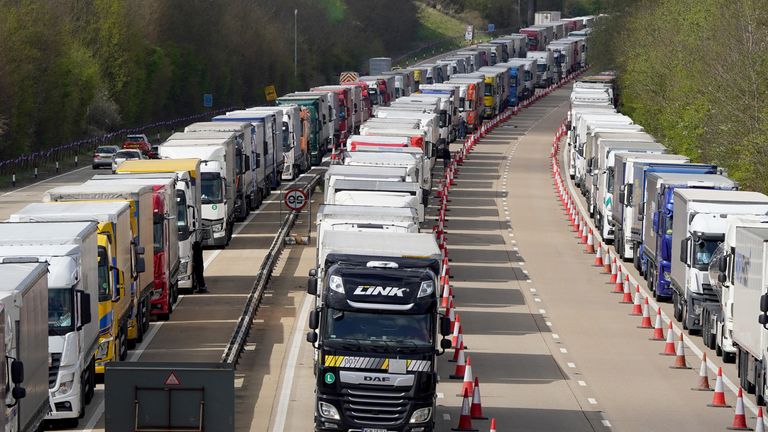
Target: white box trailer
point(376, 192)
point(24, 321)
point(347, 172)
point(71, 251)
point(416, 164)
point(272, 138)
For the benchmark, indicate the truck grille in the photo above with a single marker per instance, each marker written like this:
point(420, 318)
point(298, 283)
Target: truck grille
point(53, 369)
point(375, 407)
point(709, 292)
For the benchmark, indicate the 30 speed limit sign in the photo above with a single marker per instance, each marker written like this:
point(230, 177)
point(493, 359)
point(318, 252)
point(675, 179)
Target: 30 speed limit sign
point(295, 199)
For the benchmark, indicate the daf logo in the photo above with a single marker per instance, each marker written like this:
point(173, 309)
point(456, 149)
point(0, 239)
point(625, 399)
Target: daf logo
point(376, 379)
point(379, 290)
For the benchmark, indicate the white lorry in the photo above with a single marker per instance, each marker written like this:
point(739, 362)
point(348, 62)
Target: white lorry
point(698, 229)
point(217, 178)
point(416, 165)
point(545, 67)
point(23, 340)
point(272, 128)
point(295, 152)
point(376, 193)
point(365, 218)
point(71, 251)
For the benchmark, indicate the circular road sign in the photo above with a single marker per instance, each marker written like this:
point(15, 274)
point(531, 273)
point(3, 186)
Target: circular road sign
point(295, 199)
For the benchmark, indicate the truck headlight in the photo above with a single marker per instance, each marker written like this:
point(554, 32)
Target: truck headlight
point(696, 308)
point(667, 276)
point(336, 284)
point(103, 349)
point(183, 266)
point(66, 386)
point(421, 415)
point(426, 288)
point(328, 411)
point(155, 294)
point(217, 227)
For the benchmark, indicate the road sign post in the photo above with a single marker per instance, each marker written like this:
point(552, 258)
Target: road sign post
point(295, 199)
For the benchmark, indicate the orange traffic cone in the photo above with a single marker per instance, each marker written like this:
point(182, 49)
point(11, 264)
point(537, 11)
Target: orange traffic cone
point(703, 384)
point(614, 272)
point(607, 265)
point(461, 366)
point(621, 280)
point(476, 410)
point(446, 293)
point(669, 347)
point(627, 297)
point(739, 419)
point(759, 424)
point(718, 397)
point(452, 314)
point(456, 327)
point(599, 255)
point(493, 424)
point(646, 320)
point(590, 242)
point(637, 305)
point(457, 347)
point(467, 385)
point(658, 327)
point(584, 232)
point(680, 355)
point(465, 419)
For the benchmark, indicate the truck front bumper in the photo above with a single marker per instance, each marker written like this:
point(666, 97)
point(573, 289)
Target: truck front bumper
point(185, 274)
point(346, 424)
point(694, 302)
point(214, 232)
point(66, 405)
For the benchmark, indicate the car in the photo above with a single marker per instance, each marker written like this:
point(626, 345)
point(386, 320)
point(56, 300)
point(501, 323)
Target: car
point(124, 155)
point(103, 155)
point(138, 142)
point(155, 152)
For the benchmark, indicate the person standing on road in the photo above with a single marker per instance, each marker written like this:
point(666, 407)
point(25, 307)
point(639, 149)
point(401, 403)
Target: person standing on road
point(198, 267)
point(445, 153)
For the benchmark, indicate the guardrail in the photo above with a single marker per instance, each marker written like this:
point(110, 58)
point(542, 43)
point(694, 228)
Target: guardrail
point(242, 329)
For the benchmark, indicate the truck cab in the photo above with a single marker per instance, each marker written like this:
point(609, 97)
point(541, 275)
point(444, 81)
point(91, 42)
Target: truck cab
point(376, 330)
point(295, 138)
point(316, 118)
point(545, 67)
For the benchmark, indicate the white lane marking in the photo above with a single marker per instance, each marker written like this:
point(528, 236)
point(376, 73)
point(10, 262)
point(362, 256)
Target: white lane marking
point(542, 311)
point(43, 181)
point(94, 419)
point(564, 350)
point(582, 383)
point(548, 323)
point(555, 336)
point(537, 300)
point(606, 423)
point(290, 367)
point(446, 417)
point(572, 365)
point(533, 290)
point(593, 401)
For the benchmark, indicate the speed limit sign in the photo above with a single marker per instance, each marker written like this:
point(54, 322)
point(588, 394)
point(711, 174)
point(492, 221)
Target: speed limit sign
point(295, 199)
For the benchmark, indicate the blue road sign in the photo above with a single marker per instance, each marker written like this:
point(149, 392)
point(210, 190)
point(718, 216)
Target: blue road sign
point(207, 100)
point(491, 27)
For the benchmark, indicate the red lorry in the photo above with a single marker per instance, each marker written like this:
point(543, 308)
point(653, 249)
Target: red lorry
point(346, 112)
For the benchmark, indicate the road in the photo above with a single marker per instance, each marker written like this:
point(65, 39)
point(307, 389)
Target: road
point(551, 346)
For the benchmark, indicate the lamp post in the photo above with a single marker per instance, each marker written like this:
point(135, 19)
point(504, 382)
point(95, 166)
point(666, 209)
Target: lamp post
point(295, 43)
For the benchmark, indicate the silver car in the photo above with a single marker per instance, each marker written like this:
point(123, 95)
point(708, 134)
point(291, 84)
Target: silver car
point(124, 155)
point(102, 156)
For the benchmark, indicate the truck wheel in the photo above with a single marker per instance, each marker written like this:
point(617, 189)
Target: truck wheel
point(636, 259)
point(729, 357)
point(139, 326)
point(678, 313)
point(122, 345)
point(91, 391)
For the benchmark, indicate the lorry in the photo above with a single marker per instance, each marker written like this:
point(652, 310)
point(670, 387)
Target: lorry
point(362, 103)
point(416, 164)
point(252, 181)
point(24, 355)
point(403, 82)
point(165, 236)
point(142, 273)
point(537, 39)
point(527, 81)
point(447, 98)
point(747, 270)
point(114, 266)
point(543, 17)
point(376, 192)
point(516, 75)
point(495, 53)
point(658, 220)
point(365, 218)
point(629, 171)
point(519, 44)
point(378, 65)
point(71, 251)
point(188, 204)
point(545, 67)
point(318, 135)
point(345, 119)
point(471, 105)
point(217, 180)
point(378, 89)
point(508, 93)
point(717, 319)
point(431, 122)
point(295, 135)
point(475, 59)
point(272, 139)
point(375, 328)
point(697, 231)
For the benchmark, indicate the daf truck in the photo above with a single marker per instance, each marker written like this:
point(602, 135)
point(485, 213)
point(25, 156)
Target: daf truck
point(377, 330)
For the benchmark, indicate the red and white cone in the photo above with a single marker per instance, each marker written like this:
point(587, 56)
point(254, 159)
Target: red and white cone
point(658, 327)
point(718, 397)
point(468, 385)
point(703, 384)
point(456, 328)
point(584, 232)
point(645, 322)
point(680, 355)
point(457, 347)
point(476, 410)
point(627, 297)
point(493, 424)
point(446, 299)
point(637, 303)
point(465, 419)
point(590, 242)
point(614, 272)
point(669, 346)
point(461, 366)
point(621, 279)
point(759, 424)
point(740, 418)
point(607, 265)
point(452, 314)
point(599, 255)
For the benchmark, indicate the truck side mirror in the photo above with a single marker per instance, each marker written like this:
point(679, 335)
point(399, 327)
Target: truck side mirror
point(764, 303)
point(157, 218)
point(247, 161)
point(622, 195)
point(314, 319)
point(141, 266)
point(18, 393)
point(445, 326)
point(763, 320)
point(85, 308)
point(312, 286)
point(722, 264)
point(312, 337)
point(17, 372)
point(628, 192)
point(257, 161)
point(684, 250)
point(445, 344)
point(722, 278)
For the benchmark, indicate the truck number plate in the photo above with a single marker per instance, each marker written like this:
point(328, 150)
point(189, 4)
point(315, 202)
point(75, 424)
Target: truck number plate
point(374, 430)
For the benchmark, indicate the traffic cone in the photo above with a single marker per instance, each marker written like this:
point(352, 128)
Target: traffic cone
point(456, 327)
point(590, 242)
point(493, 424)
point(607, 266)
point(452, 314)
point(446, 293)
point(739, 419)
point(669, 346)
point(637, 308)
point(680, 355)
point(465, 419)
point(759, 425)
point(599, 255)
point(467, 385)
point(457, 347)
point(614, 272)
point(703, 384)
point(645, 322)
point(584, 232)
point(627, 297)
point(718, 397)
point(476, 410)
point(461, 366)
point(658, 327)
point(621, 279)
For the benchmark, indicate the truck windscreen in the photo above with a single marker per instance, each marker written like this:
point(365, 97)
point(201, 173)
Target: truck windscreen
point(60, 311)
point(181, 215)
point(377, 328)
point(212, 189)
point(103, 274)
